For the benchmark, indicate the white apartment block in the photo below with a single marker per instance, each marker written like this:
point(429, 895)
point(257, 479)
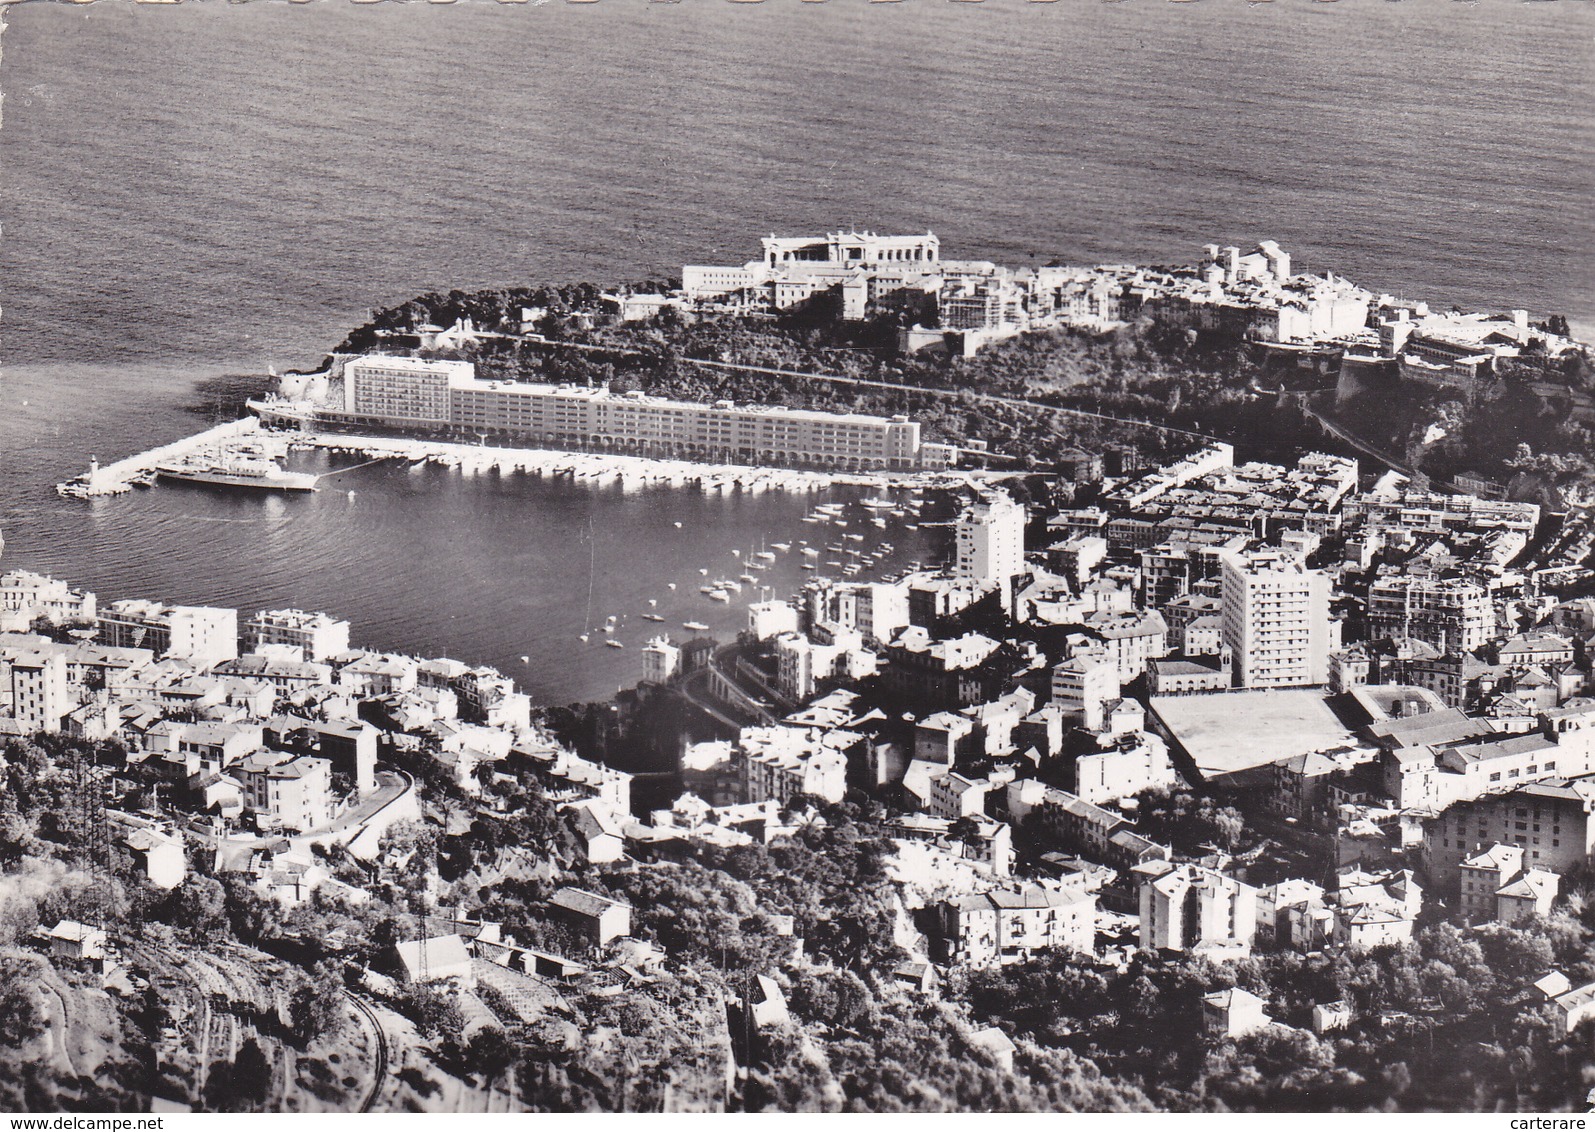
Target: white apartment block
point(780, 762)
point(1124, 769)
point(1132, 640)
point(401, 389)
point(660, 661)
point(316, 635)
point(1085, 683)
point(768, 619)
point(40, 691)
point(1012, 925)
point(990, 535)
point(296, 792)
point(1453, 616)
point(1276, 620)
point(25, 595)
point(202, 635)
point(1189, 908)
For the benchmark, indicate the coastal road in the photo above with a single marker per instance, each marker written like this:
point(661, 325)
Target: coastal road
point(1358, 442)
point(870, 383)
point(692, 687)
point(391, 785)
point(1389, 461)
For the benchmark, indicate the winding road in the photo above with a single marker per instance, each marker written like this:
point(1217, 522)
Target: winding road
point(381, 1046)
point(870, 383)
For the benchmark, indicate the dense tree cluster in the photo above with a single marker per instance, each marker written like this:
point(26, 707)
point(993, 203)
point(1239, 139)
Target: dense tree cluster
point(1448, 1022)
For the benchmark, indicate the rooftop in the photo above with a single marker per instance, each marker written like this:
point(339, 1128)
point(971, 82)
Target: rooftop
point(1228, 732)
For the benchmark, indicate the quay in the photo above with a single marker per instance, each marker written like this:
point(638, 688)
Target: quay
point(119, 477)
point(626, 472)
point(595, 469)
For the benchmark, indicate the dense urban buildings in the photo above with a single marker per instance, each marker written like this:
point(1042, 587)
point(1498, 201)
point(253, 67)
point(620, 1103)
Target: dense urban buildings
point(1125, 726)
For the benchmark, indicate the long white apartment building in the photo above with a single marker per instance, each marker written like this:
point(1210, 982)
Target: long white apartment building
point(1275, 614)
point(413, 392)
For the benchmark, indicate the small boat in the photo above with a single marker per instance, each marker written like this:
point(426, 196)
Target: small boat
point(719, 595)
point(695, 626)
point(653, 601)
point(856, 538)
point(783, 547)
point(811, 552)
point(704, 570)
point(615, 644)
point(750, 579)
point(808, 565)
point(678, 524)
point(672, 585)
point(609, 628)
point(584, 636)
point(765, 556)
point(652, 617)
point(526, 660)
point(709, 589)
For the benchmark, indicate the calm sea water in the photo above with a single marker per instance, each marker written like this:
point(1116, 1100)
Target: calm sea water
point(198, 191)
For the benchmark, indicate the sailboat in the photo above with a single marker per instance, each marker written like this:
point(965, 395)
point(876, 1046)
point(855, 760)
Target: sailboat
point(592, 570)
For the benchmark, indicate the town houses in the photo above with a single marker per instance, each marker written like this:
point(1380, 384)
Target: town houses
point(1257, 634)
point(1121, 716)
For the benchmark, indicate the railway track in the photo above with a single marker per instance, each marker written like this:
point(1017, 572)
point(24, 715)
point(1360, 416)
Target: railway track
point(381, 1046)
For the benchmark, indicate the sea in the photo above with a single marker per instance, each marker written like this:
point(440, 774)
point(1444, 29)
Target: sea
point(198, 192)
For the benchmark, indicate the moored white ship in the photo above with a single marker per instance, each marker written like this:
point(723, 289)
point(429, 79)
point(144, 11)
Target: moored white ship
point(237, 471)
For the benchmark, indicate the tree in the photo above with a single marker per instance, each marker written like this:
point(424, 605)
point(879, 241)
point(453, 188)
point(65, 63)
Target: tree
point(200, 905)
point(432, 1011)
point(22, 1019)
point(241, 1084)
point(317, 1003)
point(489, 1053)
point(965, 829)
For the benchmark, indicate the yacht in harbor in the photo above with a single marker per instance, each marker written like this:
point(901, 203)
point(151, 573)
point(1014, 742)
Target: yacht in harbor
point(237, 471)
point(695, 626)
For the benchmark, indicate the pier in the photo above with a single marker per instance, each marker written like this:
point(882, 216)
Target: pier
point(119, 477)
point(597, 469)
point(624, 471)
